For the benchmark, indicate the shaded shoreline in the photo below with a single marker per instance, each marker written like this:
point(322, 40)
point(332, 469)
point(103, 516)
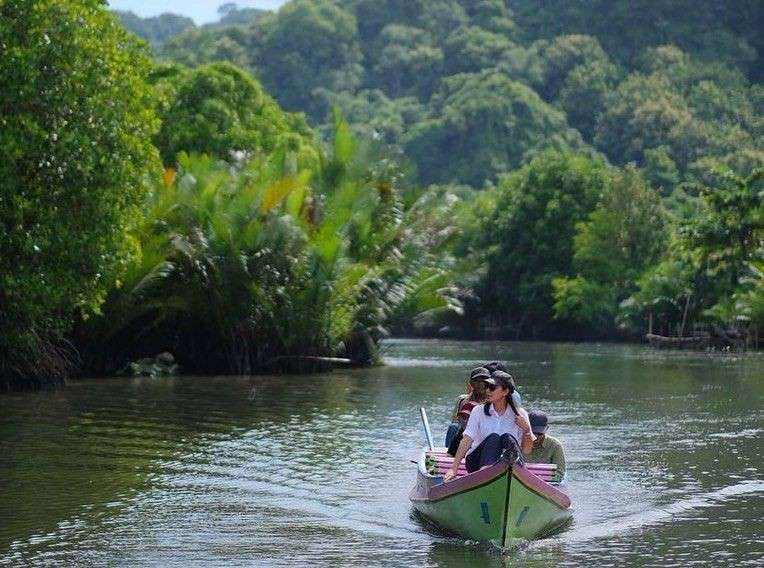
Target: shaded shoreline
point(314, 365)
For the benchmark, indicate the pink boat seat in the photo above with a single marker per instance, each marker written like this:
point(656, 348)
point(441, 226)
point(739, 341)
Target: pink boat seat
point(544, 471)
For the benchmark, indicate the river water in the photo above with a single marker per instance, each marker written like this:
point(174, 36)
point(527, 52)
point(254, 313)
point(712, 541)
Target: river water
point(664, 453)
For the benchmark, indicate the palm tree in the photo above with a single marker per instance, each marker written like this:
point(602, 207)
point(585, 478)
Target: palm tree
point(250, 265)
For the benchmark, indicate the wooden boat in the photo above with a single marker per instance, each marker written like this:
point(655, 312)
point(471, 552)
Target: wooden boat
point(503, 504)
point(690, 342)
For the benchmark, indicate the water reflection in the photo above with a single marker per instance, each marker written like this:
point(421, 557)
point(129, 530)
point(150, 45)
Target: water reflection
point(664, 455)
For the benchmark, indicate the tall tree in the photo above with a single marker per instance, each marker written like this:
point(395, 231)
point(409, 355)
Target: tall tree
point(408, 61)
point(309, 44)
point(619, 240)
point(729, 235)
point(156, 29)
point(576, 73)
point(485, 124)
point(711, 30)
point(219, 109)
point(530, 237)
point(75, 159)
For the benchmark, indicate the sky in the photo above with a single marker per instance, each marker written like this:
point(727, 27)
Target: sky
point(202, 11)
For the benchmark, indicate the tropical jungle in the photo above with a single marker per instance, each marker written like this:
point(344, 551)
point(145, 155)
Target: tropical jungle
point(282, 189)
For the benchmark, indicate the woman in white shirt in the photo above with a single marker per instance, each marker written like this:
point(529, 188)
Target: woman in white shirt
point(493, 427)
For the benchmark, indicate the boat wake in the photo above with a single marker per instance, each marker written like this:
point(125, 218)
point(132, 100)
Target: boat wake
point(657, 515)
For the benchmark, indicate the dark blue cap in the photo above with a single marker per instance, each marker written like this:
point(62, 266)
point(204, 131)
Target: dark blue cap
point(539, 422)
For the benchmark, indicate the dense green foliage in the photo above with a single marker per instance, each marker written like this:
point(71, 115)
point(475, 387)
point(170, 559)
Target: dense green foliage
point(76, 122)
point(530, 237)
point(599, 170)
point(665, 84)
point(219, 109)
point(714, 31)
point(156, 30)
point(619, 240)
point(688, 112)
point(712, 271)
point(314, 47)
point(242, 267)
point(578, 248)
point(231, 14)
point(510, 120)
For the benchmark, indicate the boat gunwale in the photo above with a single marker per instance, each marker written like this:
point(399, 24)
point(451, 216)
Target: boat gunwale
point(486, 476)
point(541, 488)
point(463, 484)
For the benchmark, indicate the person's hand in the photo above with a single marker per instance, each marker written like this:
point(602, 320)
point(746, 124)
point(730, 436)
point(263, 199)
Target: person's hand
point(450, 474)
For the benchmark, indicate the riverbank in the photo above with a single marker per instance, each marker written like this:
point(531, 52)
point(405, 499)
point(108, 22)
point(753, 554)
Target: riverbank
point(164, 364)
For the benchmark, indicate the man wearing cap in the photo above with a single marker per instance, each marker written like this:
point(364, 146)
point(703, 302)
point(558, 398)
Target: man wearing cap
point(546, 449)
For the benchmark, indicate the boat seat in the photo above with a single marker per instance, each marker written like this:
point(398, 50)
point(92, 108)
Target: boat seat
point(445, 462)
point(544, 471)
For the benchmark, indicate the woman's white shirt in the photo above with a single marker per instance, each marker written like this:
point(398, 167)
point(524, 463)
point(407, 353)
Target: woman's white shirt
point(479, 426)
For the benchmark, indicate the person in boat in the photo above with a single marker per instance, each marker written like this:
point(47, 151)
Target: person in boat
point(546, 449)
point(478, 373)
point(498, 366)
point(495, 426)
point(477, 393)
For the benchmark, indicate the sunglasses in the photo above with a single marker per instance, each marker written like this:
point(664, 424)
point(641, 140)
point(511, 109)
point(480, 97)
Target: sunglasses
point(492, 387)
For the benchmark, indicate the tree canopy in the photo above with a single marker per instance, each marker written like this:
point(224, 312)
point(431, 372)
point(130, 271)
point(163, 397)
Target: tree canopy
point(665, 84)
point(76, 159)
point(156, 29)
point(668, 93)
point(487, 124)
point(622, 237)
point(555, 169)
point(716, 31)
point(308, 45)
point(219, 109)
point(530, 236)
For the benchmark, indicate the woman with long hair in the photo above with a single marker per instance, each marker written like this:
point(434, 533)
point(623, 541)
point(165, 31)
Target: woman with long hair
point(497, 425)
point(494, 366)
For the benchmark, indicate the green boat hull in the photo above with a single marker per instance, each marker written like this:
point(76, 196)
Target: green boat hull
point(501, 504)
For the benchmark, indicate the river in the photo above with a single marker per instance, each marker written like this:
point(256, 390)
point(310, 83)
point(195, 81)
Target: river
point(664, 454)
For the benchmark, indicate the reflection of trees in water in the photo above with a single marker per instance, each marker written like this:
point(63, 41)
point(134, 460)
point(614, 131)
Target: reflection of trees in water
point(100, 441)
point(668, 420)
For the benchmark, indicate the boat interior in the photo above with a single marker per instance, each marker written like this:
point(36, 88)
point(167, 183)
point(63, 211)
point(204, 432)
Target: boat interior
point(545, 472)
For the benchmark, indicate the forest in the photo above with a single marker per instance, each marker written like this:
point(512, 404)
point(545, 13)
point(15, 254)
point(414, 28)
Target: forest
point(278, 187)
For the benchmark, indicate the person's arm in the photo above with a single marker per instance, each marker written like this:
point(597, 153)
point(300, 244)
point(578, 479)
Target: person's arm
point(458, 407)
point(461, 451)
point(558, 458)
point(527, 443)
point(522, 421)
